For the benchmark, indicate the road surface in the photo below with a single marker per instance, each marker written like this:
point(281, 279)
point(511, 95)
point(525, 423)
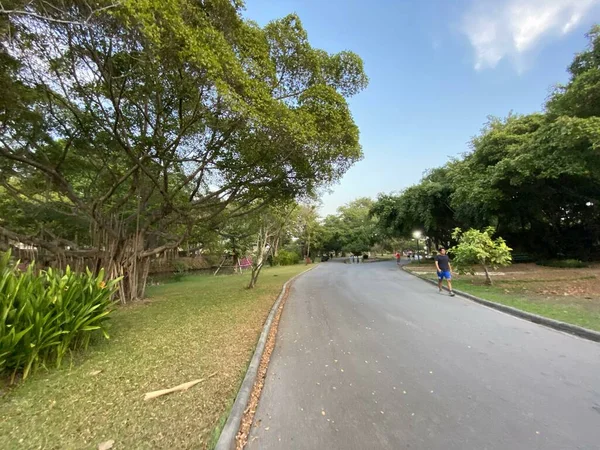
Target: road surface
point(369, 357)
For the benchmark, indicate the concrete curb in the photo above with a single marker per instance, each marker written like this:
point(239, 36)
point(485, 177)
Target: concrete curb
point(227, 438)
point(551, 323)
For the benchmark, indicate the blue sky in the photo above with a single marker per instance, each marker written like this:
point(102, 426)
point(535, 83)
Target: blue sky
point(437, 69)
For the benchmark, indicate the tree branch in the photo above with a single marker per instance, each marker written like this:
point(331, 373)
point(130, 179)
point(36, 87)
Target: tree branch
point(19, 12)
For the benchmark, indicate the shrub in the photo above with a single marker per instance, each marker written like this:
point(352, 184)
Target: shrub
point(181, 267)
point(286, 258)
point(478, 248)
point(563, 263)
point(45, 315)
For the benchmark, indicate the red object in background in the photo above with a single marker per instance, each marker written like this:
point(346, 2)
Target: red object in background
point(245, 262)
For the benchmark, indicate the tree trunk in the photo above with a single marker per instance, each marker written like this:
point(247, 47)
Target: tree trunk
point(261, 253)
point(276, 247)
point(123, 260)
point(488, 279)
point(255, 273)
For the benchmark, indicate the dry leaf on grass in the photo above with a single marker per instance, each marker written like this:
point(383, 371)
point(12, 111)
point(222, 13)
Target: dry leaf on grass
point(106, 445)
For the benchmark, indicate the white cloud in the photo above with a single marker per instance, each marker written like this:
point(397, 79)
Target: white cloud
point(500, 29)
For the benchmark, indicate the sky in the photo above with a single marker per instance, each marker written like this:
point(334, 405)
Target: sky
point(437, 70)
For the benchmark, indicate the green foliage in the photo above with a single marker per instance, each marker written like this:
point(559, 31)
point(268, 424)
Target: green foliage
point(581, 96)
point(424, 206)
point(352, 230)
point(286, 258)
point(181, 268)
point(155, 117)
point(535, 177)
point(478, 248)
point(45, 315)
point(563, 263)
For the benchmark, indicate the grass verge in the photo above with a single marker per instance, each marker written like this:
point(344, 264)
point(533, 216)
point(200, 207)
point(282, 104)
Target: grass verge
point(569, 311)
point(185, 331)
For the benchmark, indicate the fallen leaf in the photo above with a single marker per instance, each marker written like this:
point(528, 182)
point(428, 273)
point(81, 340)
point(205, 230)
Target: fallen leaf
point(95, 372)
point(106, 445)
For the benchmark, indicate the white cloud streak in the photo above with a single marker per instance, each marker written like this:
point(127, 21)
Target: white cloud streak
point(499, 29)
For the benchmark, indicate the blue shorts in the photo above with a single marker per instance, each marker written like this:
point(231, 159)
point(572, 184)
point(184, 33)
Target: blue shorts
point(444, 274)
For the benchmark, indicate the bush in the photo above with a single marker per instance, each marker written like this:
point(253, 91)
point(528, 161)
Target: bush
point(286, 258)
point(181, 267)
point(477, 247)
point(563, 263)
point(45, 315)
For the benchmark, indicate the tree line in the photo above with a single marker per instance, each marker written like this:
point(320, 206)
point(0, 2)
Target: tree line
point(535, 178)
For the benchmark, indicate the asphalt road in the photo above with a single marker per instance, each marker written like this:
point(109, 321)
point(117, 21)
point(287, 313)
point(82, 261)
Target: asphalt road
point(369, 357)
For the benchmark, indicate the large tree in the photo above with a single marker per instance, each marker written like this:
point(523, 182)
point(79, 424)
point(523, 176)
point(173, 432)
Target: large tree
point(126, 124)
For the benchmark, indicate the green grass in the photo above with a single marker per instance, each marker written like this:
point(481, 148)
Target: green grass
point(185, 331)
point(566, 309)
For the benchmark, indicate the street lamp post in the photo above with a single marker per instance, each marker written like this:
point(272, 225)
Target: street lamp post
point(417, 236)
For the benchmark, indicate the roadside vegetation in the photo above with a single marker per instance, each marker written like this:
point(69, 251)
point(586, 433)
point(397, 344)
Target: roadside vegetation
point(186, 330)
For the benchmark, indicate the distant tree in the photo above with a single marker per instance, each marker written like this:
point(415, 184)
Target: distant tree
point(425, 207)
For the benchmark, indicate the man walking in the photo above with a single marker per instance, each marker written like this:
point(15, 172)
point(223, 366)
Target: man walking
point(444, 270)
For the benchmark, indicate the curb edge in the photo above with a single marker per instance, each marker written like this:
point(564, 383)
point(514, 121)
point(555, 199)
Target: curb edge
point(229, 432)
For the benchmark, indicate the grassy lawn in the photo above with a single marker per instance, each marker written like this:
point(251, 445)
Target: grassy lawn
point(184, 331)
point(568, 295)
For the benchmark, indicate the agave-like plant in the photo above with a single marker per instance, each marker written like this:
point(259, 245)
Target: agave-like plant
point(46, 315)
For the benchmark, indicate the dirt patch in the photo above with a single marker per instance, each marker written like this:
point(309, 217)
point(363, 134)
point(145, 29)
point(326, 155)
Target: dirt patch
point(533, 280)
point(552, 282)
point(561, 285)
